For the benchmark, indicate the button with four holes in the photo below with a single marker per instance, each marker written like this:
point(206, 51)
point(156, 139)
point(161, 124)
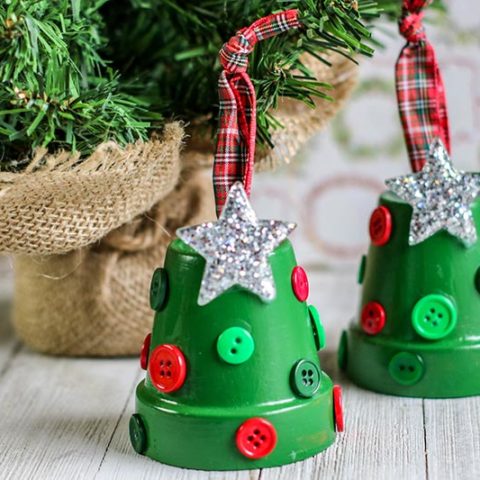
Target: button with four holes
point(158, 289)
point(373, 318)
point(256, 438)
point(406, 368)
point(380, 226)
point(300, 283)
point(167, 368)
point(144, 352)
point(338, 408)
point(434, 317)
point(317, 328)
point(305, 378)
point(235, 345)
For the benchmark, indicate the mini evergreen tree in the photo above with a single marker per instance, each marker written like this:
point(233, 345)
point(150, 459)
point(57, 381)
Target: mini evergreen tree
point(80, 72)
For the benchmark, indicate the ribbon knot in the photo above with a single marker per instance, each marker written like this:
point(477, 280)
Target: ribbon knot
point(411, 27)
point(420, 90)
point(234, 53)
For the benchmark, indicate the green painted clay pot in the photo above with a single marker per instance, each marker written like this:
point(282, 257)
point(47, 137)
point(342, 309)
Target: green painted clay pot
point(235, 384)
point(417, 333)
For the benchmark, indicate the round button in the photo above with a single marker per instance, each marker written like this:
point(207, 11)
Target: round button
point(361, 269)
point(317, 328)
point(158, 289)
point(235, 345)
point(342, 353)
point(338, 408)
point(300, 283)
point(145, 351)
point(138, 437)
point(434, 317)
point(373, 318)
point(477, 280)
point(256, 438)
point(406, 368)
point(380, 226)
point(305, 378)
point(168, 368)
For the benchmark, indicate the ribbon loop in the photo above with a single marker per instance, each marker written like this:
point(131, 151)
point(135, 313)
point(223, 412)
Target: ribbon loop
point(420, 90)
point(236, 137)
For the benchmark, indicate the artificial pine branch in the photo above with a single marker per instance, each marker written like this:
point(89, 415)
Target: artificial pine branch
point(74, 73)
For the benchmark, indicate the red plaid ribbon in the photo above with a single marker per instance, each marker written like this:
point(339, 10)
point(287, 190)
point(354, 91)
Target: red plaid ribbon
point(420, 89)
point(237, 129)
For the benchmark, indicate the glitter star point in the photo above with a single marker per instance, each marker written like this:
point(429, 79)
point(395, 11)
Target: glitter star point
point(441, 197)
point(236, 248)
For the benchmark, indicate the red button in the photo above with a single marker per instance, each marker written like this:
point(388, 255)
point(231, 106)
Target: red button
point(168, 368)
point(337, 408)
point(256, 438)
point(145, 351)
point(380, 226)
point(300, 283)
point(373, 318)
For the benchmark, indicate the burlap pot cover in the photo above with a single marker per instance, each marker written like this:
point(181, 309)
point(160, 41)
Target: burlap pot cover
point(87, 235)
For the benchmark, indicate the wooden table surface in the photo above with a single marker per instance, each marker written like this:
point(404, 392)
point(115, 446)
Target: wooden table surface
point(66, 418)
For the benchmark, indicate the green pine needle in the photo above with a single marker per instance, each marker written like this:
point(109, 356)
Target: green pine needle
point(75, 73)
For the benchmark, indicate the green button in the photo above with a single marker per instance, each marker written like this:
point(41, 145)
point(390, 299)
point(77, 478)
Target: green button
point(138, 436)
point(434, 317)
point(342, 353)
point(406, 368)
point(235, 345)
point(317, 328)
point(477, 280)
point(305, 378)
point(158, 289)
point(361, 269)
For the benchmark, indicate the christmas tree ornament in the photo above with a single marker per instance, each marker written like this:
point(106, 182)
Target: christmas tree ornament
point(417, 333)
point(233, 375)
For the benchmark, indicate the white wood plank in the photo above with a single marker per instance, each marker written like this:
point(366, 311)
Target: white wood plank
point(122, 463)
point(453, 438)
point(59, 415)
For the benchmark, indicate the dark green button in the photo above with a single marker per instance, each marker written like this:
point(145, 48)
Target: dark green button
point(158, 289)
point(305, 378)
point(434, 317)
point(317, 328)
point(361, 269)
point(342, 353)
point(138, 436)
point(235, 345)
point(477, 280)
point(406, 368)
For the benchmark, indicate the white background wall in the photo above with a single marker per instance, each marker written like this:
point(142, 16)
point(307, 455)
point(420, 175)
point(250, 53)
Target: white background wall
point(334, 183)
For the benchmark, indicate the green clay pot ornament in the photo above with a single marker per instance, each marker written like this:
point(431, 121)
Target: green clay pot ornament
point(417, 332)
point(233, 376)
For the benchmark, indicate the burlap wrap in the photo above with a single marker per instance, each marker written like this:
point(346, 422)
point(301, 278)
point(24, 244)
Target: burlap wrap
point(86, 236)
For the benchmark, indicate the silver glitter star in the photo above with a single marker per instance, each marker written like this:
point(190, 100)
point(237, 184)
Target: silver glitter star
point(441, 197)
point(236, 248)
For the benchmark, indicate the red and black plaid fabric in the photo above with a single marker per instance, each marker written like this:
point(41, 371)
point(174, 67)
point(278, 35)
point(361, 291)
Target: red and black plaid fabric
point(420, 89)
point(235, 149)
